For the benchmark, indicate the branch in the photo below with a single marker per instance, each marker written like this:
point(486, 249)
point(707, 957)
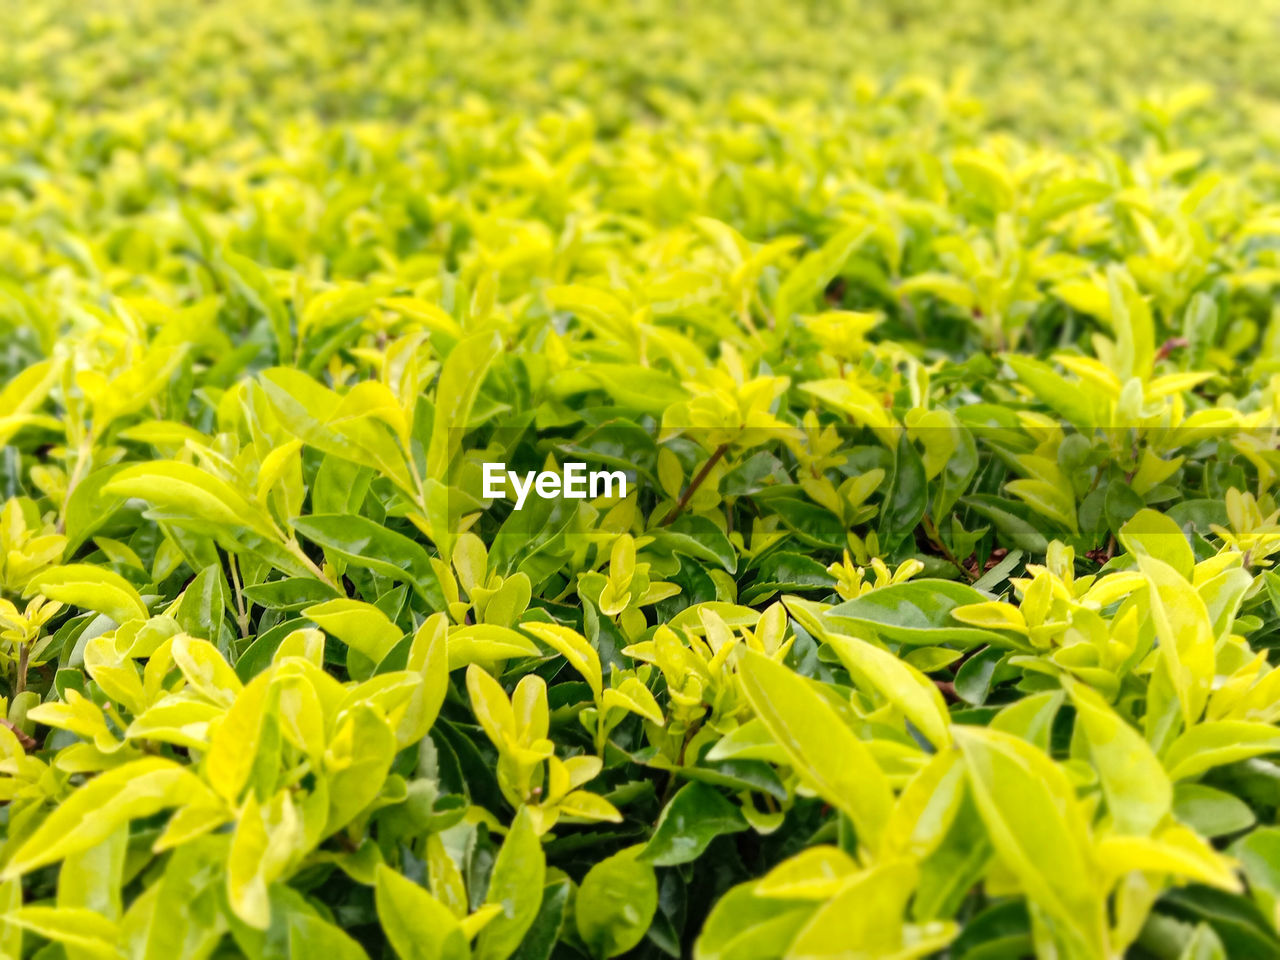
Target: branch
point(694, 484)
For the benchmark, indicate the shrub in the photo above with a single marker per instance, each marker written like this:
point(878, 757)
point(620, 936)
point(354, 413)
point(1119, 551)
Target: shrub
point(885, 403)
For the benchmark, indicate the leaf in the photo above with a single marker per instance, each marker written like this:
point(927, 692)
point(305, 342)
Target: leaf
point(917, 612)
point(332, 307)
point(574, 647)
point(999, 932)
point(631, 385)
point(188, 491)
point(363, 543)
point(485, 643)
point(267, 837)
point(356, 763)
point(906, 495)
point(1217, 742)
point(515, 886)
point(134, 387)
point(745, 926)
point(1035, 823)
point(1154, 534)
point(924, 812)
point(1064, 196)
point(431, 316)
point(92, 878)
point(341, 426)
point(699, 538)
point(429, 659)
point(546, 929)
point(1204, 945)
point(1211, 812)
point(1120, 505)
point(898, 682)
point(634, 696)
point(1047, 499)
point(860, 405)
point(88, 508)
point(815, 270)
point(1259, 855)
point(359, 625)
point(975, 676)
point(1185, 633)
point(187, 918)
point(1031, 718)
point(82, 932)
point(203, 605)
point(204, 669)
point(696, 815)
point(1139, 794)
point(1236, 921)
point(95, 811)
point(823, 750)
point(616, 903)
point(256, 288)
point(1056, 391)
point(597, 305)
point(1199, 328)
point(817, 873)
point(91, 588)
point(312, 936)
point(234, 742)
point(10, 901)
point(289, 593)
point(1013, 524)
point(1175, 850)
point(461, 377)
point(957, 473)
point(864, 919)
point(1131, 320)
point(417, 925)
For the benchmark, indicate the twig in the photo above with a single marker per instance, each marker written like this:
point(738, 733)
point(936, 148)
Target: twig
point(931, 532)
point(83, 452)
point(28, 742)
point(24, 659)
point(1170, 345)
point(242, 616)
point(694, 484)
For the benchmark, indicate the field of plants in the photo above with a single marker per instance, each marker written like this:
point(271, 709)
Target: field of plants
point(934, 346)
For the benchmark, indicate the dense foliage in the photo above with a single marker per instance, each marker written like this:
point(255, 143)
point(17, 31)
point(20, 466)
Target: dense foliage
point(936, 340)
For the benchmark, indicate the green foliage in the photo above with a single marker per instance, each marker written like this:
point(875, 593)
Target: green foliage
point(935, 341)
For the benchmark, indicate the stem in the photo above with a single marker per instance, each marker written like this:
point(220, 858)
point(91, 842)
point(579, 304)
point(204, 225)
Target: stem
point(935, 538)
point(293, 548)
point(199, 258)
point(671, 774)
point(27, 742)
point(1170, 345)
point(695, 483)
point(744, 317)
point(769, 319)
point(242, 616)
point(83, 452)
point(24, 659)
point(421, 489)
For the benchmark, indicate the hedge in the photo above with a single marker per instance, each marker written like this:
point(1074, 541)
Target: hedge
point(575, 480)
